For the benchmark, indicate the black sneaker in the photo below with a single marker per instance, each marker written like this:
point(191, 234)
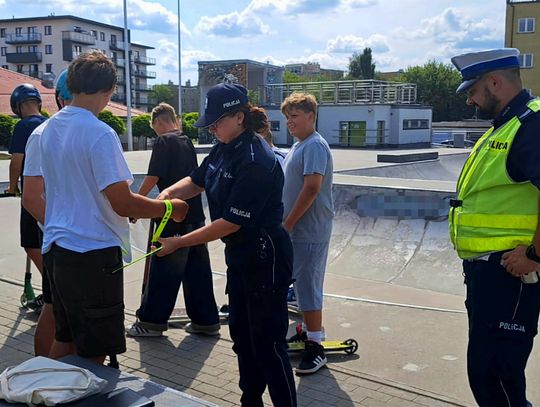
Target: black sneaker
point(312, 359)
point(36, 304)
point(299, 336)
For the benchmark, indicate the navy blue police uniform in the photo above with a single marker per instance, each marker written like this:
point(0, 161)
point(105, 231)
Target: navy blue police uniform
point(503, 311)
point(243, 182)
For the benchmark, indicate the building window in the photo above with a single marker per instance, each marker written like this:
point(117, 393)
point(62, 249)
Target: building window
point(381, 124)
point(48, 68)
point(352, 133)
point(32, 48)
point(94, 34)
point(415, 124)
point(526, 60)
point(3, 51)
point(48, 30)
point(113, 39)
point(31, 30)
point(526, 25)
point(2, 33)
point(274, 125)
point(102, 36)
point(20, 68)
point(19, 49)
point(48, 49)
point(18, 30)
point(5, 67)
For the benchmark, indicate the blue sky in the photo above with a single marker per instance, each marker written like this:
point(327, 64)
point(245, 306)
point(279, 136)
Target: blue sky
point(401, 34)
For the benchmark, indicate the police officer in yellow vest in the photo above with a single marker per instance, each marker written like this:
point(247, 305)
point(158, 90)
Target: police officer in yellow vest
point(494, 227)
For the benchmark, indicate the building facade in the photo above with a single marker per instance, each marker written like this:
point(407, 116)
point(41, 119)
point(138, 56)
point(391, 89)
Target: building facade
point(520, 32)
point(358, 113)
point(41, 46)
point(312, 70)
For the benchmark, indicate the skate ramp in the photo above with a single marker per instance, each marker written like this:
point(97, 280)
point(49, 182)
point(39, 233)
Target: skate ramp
point(445, 168)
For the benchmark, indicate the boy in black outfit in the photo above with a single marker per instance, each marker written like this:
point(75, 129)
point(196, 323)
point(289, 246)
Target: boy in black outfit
point(173, 158)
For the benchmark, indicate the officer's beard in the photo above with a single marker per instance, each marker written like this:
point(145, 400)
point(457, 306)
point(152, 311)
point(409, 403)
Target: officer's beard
point(490, 107)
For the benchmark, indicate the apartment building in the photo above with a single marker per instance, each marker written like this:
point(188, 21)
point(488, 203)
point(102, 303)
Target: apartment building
point(37, 46)
point(520, 32)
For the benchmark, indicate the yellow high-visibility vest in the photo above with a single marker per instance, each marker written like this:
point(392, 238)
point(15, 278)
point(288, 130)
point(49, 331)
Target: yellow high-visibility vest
point(493, 212)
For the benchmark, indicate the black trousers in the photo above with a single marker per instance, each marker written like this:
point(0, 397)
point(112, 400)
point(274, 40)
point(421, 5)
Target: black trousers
point(503, 321)
point(258, 276)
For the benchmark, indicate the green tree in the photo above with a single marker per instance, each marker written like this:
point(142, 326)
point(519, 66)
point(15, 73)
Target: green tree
point(436, 86)
point(361, 66)
point(141, 126)
point(161, 93)
point(290, 77)
point(188, 121)
point(7, 123)
point(116, 123)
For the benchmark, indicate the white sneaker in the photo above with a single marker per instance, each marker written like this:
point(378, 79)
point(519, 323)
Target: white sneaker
point(137, 330)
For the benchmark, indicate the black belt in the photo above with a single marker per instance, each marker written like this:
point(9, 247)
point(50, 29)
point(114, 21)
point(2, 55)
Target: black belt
point(456, 203)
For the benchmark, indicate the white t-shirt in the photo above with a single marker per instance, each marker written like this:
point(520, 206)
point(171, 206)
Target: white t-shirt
point(32, 156)
point(80, 157)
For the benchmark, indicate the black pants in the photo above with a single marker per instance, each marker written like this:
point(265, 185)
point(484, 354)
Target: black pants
point(189, 266)
point(258, 276)
point(503, 320)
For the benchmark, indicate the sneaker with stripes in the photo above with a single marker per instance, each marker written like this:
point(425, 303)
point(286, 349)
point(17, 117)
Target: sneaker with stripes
point(137, 330)
point(313, 359)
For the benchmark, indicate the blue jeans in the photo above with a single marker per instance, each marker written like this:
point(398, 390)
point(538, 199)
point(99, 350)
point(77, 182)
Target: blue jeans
point(190, 266)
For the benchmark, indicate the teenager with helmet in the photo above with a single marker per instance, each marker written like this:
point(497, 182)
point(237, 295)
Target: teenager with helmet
point(243, 182)
point(25, 103)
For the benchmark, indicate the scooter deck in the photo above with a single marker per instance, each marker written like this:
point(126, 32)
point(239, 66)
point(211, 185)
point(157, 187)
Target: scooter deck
point(348, 346)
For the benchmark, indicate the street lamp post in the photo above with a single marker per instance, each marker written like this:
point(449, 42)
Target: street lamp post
point(127, 71)
point(179, 66)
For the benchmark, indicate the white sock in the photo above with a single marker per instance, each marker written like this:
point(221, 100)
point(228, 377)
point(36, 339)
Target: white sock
point(315, 336)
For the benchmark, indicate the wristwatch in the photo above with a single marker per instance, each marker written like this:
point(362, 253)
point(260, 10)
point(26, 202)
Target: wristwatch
point(531, 254)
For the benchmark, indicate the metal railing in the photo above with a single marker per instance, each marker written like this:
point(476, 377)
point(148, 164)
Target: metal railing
point(144, 73)
point(23, 57)
point(343, 92)
point(117, 45)
point(33, 73)
point(23, 38)
point(144, 60)
point(80, 37)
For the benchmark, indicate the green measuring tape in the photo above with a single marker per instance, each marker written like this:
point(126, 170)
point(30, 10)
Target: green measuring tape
point(155, 237)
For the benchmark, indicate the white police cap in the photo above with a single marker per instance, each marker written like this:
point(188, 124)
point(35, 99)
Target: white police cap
point(475, 64)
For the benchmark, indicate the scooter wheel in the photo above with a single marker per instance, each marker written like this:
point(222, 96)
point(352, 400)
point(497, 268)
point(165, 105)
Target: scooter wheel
point(353, 346)
point(24, 301)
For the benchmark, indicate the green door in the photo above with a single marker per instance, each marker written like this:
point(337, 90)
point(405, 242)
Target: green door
point(357, 134)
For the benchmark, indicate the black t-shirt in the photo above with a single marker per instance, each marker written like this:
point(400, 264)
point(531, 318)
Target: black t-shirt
point(173, 158)
point(243, 182)
point(523, 163)
point(21, 133)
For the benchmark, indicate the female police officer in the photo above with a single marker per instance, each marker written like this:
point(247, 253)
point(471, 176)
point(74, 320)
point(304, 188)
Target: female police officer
point(243, 183)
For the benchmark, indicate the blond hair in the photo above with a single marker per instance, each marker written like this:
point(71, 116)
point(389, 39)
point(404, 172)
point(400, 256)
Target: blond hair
point(299, 100)
point(165, 112)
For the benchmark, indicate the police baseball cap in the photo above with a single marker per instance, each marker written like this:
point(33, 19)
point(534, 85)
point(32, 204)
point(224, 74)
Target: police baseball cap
point(475, 64)
point(220, 100)
point(61, 86)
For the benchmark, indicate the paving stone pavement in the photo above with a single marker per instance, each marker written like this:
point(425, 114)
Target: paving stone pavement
point(206, 367)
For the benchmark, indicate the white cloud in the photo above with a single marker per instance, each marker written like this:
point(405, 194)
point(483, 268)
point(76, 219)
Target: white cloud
point(168, 56)
point(234, 24)
point(351, 43)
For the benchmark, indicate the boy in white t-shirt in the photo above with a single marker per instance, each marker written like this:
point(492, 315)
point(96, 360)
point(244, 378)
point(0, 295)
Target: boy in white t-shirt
point(88, 201)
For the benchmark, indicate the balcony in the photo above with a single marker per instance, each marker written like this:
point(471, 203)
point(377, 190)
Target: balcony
point(33, 74)
point(23, 57)
point(30, 38)
point(79, 37)
point(142, 73)
point(119, 97)
point(143, 87)
point(144, 60)
point(116, 45)
point(144, 102)
point(120, 62)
